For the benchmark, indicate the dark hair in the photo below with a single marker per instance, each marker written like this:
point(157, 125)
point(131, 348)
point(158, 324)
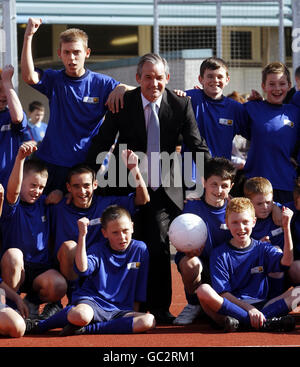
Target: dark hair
point(219, 166)
point(79, 169)
point(213, 63)
point(113, 212)
point(36, 166)
point(35, 105)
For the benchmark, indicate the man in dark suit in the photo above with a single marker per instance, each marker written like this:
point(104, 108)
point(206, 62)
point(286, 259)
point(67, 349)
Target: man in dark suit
point(133, 124)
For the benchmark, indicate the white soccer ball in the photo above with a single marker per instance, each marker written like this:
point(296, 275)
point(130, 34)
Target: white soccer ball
point(188, 232)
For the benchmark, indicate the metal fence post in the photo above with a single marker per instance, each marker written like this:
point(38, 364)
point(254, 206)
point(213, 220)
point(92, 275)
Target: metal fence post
point(10, 30)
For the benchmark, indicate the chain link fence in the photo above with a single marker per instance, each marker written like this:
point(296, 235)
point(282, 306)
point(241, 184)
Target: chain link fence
point(246, 34)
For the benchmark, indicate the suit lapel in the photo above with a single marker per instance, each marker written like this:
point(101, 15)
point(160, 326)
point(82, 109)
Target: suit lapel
point(140, 116)
point(164, 115)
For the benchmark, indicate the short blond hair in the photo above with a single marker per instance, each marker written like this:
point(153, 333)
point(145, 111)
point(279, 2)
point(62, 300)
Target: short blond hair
point(257, 185)
point(73, 35)
point(239, 205)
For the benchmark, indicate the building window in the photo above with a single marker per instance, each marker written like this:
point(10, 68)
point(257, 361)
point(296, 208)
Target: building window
point(177, 38)
point(240, 45)
point(111, 40)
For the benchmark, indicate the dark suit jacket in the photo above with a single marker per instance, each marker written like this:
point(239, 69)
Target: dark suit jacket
point(177, 121)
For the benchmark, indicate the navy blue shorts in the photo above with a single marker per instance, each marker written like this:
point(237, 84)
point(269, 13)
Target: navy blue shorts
point(32, 270)
point(101, 315)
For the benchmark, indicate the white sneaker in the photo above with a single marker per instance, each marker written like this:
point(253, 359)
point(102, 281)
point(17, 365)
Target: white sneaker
point(187, 315)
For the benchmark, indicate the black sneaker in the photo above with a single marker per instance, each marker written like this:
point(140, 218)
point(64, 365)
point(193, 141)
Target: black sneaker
point(231, 324)
point(50, 309)
point(31, 326)
point(71, 329)
point(284, 323)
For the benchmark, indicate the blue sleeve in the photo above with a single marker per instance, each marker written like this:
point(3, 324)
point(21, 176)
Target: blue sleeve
point(8, 209)
point(127, 202)
point(93, 265)
point(296, 99)
point(45, 84)
point(20, 127)
point(272, 258)
point(220, 276)
point(244, 122)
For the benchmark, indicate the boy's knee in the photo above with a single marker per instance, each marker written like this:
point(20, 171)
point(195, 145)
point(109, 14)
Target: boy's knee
point(18, 329)
point(149, 321)
point(81, 315)
point(13, 257)
point(203, 292)
point(66, 250)
point(12, 324)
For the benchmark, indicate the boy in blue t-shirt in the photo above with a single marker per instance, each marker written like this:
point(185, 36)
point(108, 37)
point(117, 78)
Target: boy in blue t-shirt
point(219, 118)
point(294, 270)
point(239, 272)
point(114, 275)
point(275, 130)
point(81, 184)
point(13, 122)
point(193, 267)
point(36, 128)
point(26, 263)
point(77, 100)
point(11, 322)
point(259, 190)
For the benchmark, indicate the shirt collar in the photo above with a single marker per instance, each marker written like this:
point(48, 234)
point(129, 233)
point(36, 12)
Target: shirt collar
point(146, 102)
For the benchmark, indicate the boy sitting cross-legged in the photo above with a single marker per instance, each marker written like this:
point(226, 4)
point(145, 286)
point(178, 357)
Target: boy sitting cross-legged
point(239, 271)
point(115, 277)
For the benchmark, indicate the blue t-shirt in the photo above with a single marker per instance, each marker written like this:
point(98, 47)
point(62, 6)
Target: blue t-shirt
point(214, 218)
point(275, 130)
point(11, 137)
point(77, 106)
point(64, 218)
point(35, 132)
point(266, 227)
point(27, 227)
point(243, 272)
point(218, 121)
point(115, 280)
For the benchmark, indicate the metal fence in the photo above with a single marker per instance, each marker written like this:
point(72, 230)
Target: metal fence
point(8, 37)
point(246, 34)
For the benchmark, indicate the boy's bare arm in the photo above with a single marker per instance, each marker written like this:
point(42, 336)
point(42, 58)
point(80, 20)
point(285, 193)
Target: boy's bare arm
point(13, 102)
point(16, 177)
point(81, 255)
point(130, 160)
point(288, 254)
point(115, 100)
point(29, 75)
